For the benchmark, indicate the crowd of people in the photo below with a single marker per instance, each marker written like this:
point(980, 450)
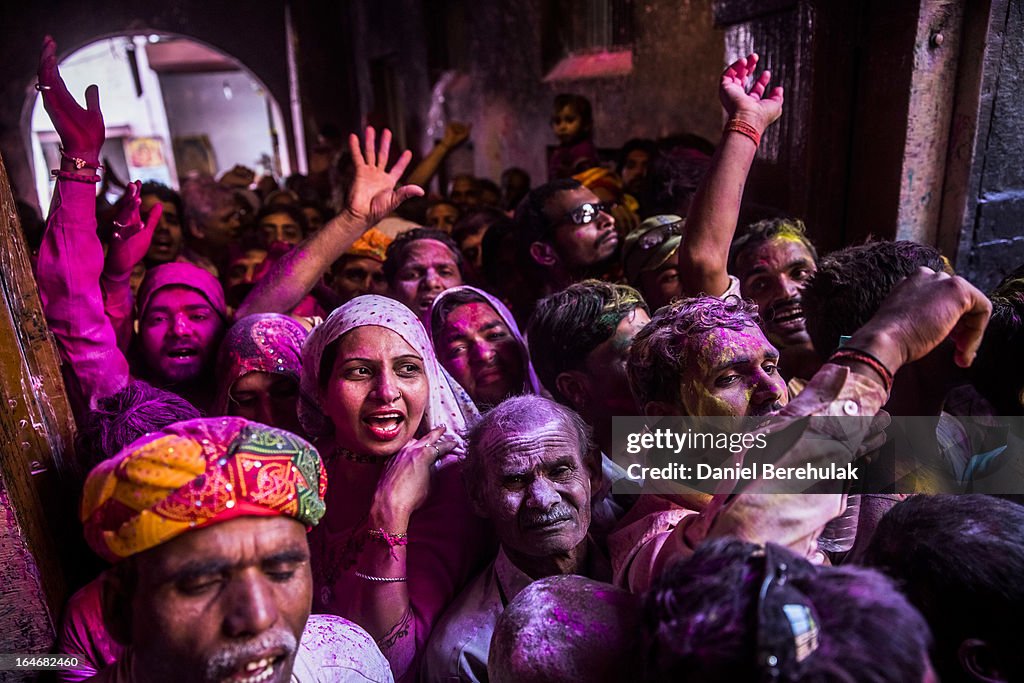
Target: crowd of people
point(345, 430)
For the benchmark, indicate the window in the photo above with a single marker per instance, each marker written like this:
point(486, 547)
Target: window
point(588, 38)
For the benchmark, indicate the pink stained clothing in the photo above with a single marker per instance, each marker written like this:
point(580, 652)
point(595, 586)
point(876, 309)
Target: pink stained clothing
point(84, 635)
point(68, 274)
point(568, 160)
point(448, 544)
point(659, 529)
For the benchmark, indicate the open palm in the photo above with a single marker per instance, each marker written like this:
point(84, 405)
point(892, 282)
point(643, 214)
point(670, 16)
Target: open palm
point(374, 192)
point(81, 130)
point(751, 106)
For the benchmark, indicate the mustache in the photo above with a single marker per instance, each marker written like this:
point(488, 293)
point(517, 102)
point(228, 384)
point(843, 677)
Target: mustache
point(773, 310)
point(560, 513)
point(230, 658)
point(766, 410)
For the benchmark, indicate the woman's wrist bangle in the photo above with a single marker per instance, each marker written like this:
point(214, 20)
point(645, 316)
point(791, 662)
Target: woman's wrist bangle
point(744, 128)
point(381, 579)
point(77, 177)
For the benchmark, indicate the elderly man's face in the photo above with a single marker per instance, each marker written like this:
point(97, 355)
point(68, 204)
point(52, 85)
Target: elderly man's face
point(225, 603)
point(536, 490)
point(773, 274)
point(736, 374)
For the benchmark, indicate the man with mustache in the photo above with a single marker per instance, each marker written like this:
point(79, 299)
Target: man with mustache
point(530, 470)
point(205, 522)
point(774, 260)
point(419, 265)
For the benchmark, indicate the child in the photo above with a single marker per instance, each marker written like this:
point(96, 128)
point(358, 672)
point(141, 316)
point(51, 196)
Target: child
point(573, 124)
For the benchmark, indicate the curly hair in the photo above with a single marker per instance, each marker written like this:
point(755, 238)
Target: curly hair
point(566, 326)
point(661, 351)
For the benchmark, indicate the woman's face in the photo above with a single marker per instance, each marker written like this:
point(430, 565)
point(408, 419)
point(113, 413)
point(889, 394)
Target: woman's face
point(376, 393)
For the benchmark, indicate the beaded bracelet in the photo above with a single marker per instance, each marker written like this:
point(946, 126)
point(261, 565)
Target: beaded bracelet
point(744, 128)
point(381, 579)
point(77, 177)
point(867, 359)
point(391, 540)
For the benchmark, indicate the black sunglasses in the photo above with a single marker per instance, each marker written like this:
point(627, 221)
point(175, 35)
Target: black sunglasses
point(787, 626)
point(586, 213)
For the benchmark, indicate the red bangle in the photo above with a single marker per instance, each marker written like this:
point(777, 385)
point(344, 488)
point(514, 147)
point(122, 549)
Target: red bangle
point(744, 128)
point(867, 359)
point(77, 177)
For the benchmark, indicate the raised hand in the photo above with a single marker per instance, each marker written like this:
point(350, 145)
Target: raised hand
point(81, 130)
point(750, 106)
point(374, 194)
point(131, 235)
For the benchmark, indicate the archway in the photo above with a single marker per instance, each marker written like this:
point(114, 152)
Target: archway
point(172, 105)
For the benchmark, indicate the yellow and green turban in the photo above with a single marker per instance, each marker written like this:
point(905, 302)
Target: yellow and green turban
point(196, 473)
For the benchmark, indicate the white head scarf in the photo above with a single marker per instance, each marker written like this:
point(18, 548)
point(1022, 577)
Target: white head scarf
point(533, 385)
point(447, 403)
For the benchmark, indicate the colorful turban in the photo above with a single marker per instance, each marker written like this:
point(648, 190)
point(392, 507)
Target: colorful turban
point(264, 342)
point(182, 275)
point(372, 244)
point(196, 473)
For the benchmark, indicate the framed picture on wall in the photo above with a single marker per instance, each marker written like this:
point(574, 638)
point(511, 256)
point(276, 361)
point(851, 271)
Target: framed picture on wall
point(194, 153)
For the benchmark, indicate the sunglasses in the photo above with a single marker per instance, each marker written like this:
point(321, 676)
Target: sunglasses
point(657, 236)
point(787, 626)
point(586, 213)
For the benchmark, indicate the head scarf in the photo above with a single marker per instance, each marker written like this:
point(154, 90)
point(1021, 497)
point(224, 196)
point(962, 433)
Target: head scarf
point(265, 342)
point(533, 384)
point(197, 473)
point(181, 275)
point(448, 403)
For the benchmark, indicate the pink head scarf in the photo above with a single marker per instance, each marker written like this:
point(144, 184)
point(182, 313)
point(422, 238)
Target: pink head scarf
point(533, 384)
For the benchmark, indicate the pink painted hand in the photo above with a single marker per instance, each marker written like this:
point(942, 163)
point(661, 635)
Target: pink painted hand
point(132, 235)
point(374, 193)
point(81, 130)
point(750, 106)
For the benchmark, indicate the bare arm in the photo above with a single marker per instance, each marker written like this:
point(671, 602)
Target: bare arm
point(711, 223)
point(455, 134)
point(373, 196)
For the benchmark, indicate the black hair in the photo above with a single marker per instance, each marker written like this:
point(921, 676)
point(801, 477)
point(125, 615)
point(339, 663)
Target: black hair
point(851, 284)
point(581, 105)
point(397, 251)
point(566, 326)
point(959, 559)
